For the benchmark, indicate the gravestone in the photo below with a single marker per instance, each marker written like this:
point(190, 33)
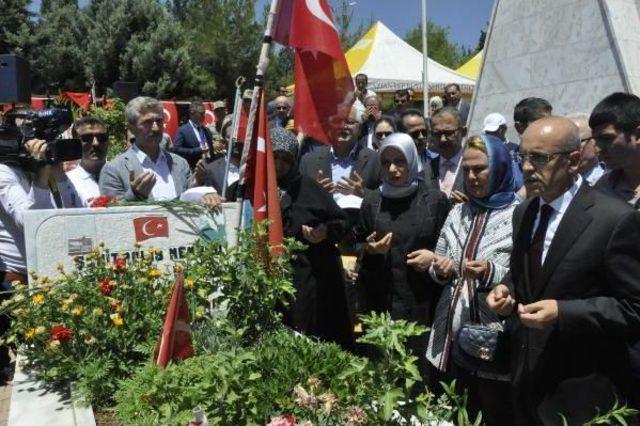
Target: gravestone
point(66, 236)
point(571, 52)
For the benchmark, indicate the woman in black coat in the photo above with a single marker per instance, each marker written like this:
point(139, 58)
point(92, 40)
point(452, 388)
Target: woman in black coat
point(311, 216)
point(399, 225)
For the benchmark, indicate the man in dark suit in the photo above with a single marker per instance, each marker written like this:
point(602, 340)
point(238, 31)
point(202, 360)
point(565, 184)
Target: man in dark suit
point(446, 136)
point(193, 139)
point(573, 297)
point(347, 168)
point(453, 99)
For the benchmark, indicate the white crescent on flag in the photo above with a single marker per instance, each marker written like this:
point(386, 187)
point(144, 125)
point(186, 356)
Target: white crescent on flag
point(167, 116)
point(209, 117)
point(153, 232)
point(316, 10)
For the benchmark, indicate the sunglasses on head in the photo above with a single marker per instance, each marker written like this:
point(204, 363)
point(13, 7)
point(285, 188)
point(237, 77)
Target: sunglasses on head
point(88, 137)
point(382, 135)
point(417, 133)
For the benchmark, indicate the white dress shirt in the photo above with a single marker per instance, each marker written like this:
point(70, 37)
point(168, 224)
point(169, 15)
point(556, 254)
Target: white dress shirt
point(234, 174)
point(85, 183)
point(164, 189)
point(592, 175)
point(559, 206)
point(17, 195)
point(448, 170)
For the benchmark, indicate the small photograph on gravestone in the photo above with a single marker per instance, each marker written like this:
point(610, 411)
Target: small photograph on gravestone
point(78, 246)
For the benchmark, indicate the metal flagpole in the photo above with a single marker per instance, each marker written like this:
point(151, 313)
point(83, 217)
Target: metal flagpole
point(425, 60)
point(235, 125)
point(263, 63)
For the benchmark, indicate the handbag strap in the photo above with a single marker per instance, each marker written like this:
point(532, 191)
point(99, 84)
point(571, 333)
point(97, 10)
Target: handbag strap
point(469, 252)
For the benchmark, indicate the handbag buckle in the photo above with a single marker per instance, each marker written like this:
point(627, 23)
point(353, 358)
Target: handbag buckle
point(485, 354)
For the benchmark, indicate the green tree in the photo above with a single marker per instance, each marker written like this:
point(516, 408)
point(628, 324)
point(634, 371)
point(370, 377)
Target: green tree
point(15, 27)
point(57, 59)
point(441, 48)
point(138, 40)
point(47, 6)
point(343, 16)
point(225, 41)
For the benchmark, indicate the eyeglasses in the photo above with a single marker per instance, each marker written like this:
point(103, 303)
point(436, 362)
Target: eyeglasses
point(539, 159)
point(451, 93)
point(399, 101)
point(382, 135)
point(415, 134)
point(282, 108)
point(88, 137)
point(449, 134)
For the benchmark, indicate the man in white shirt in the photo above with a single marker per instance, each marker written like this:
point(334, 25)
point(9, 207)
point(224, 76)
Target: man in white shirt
point(92, 132)
point(145, 171)
point(18, 193)
point(362, 93)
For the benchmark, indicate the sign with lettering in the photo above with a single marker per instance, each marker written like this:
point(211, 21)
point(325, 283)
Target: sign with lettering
point(66, 236)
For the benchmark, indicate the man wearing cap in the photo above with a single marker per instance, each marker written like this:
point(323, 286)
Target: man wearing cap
point(496, 125)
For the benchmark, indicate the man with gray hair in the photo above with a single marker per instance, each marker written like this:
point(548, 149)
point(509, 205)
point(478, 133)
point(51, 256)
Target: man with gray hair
point(572, 296)
point(373, 111)
point(145, 171)
point(590, 167)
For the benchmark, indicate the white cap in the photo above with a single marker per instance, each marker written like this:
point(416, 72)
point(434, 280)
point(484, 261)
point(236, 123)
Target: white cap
point(493, 121)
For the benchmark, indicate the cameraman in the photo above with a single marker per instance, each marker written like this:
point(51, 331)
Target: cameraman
point(18, 193)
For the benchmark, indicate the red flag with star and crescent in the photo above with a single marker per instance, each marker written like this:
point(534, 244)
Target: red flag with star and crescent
point(175, 339)
point(324, 89)
point(261, 181)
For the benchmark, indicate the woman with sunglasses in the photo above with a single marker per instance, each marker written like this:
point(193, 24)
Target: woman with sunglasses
point(472, 256)
point(399, 227)
point(383, 127)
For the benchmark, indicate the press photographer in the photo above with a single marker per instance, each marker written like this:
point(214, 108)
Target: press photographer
point(28, 151)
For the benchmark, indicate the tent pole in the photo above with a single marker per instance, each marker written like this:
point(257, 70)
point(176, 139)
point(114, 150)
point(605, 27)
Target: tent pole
point(425, 61)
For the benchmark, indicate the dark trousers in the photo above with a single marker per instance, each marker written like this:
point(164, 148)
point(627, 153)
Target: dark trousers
point(493, 398)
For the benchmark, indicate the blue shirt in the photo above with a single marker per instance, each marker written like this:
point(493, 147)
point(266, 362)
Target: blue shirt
point(341, 167)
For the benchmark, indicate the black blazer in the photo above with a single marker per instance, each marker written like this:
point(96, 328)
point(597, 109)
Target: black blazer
point(433, 174)
point(187, 146)
point(593, 269)
point(214, 174)
point(366, 165)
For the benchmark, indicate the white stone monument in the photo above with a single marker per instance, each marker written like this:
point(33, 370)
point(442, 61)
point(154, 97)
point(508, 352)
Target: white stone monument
point(65, 236)
point(571, 52)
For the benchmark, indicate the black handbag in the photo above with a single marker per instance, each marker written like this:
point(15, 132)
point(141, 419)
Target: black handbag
point(479, 347)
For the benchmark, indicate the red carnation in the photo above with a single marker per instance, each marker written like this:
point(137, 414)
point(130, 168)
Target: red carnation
point(120, 264)
point(102, 201)
point(106, 286)
point(61, 333)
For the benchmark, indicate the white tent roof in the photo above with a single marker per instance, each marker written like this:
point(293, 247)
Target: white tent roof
point(391, 64)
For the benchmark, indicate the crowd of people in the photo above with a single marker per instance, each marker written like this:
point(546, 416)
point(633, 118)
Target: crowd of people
point(522, 259)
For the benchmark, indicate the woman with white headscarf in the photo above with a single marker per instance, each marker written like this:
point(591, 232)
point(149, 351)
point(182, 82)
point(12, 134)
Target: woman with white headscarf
point(399, 226)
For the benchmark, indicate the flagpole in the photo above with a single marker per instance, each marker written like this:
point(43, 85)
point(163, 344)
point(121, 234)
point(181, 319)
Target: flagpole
point(263, 63)
point(235, 125)
point(425, 61)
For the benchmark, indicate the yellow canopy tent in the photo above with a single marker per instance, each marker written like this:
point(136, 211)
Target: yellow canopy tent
point(471, 68)
point(391, 64)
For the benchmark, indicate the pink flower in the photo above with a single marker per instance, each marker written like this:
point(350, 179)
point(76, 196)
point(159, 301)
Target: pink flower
point(287, 420)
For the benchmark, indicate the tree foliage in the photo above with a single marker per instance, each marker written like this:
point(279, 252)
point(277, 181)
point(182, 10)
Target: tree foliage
point(440, 47)
point(16, 26)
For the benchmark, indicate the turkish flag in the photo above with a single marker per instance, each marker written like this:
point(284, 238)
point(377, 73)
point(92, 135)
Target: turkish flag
point(209, 117)
point(150, 227)
point(175, 339)
point(324, 89)
point(242, 123)
point(170, 118)
point(261, 182)
point(83, 100)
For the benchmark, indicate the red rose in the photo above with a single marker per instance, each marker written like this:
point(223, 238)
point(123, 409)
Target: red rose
point(120, 264)
point(61, 333)
point(106, 287)
point(102, 201)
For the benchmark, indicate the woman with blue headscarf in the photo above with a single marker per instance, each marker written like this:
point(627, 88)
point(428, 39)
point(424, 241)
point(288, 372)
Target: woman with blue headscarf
point(472, 256)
